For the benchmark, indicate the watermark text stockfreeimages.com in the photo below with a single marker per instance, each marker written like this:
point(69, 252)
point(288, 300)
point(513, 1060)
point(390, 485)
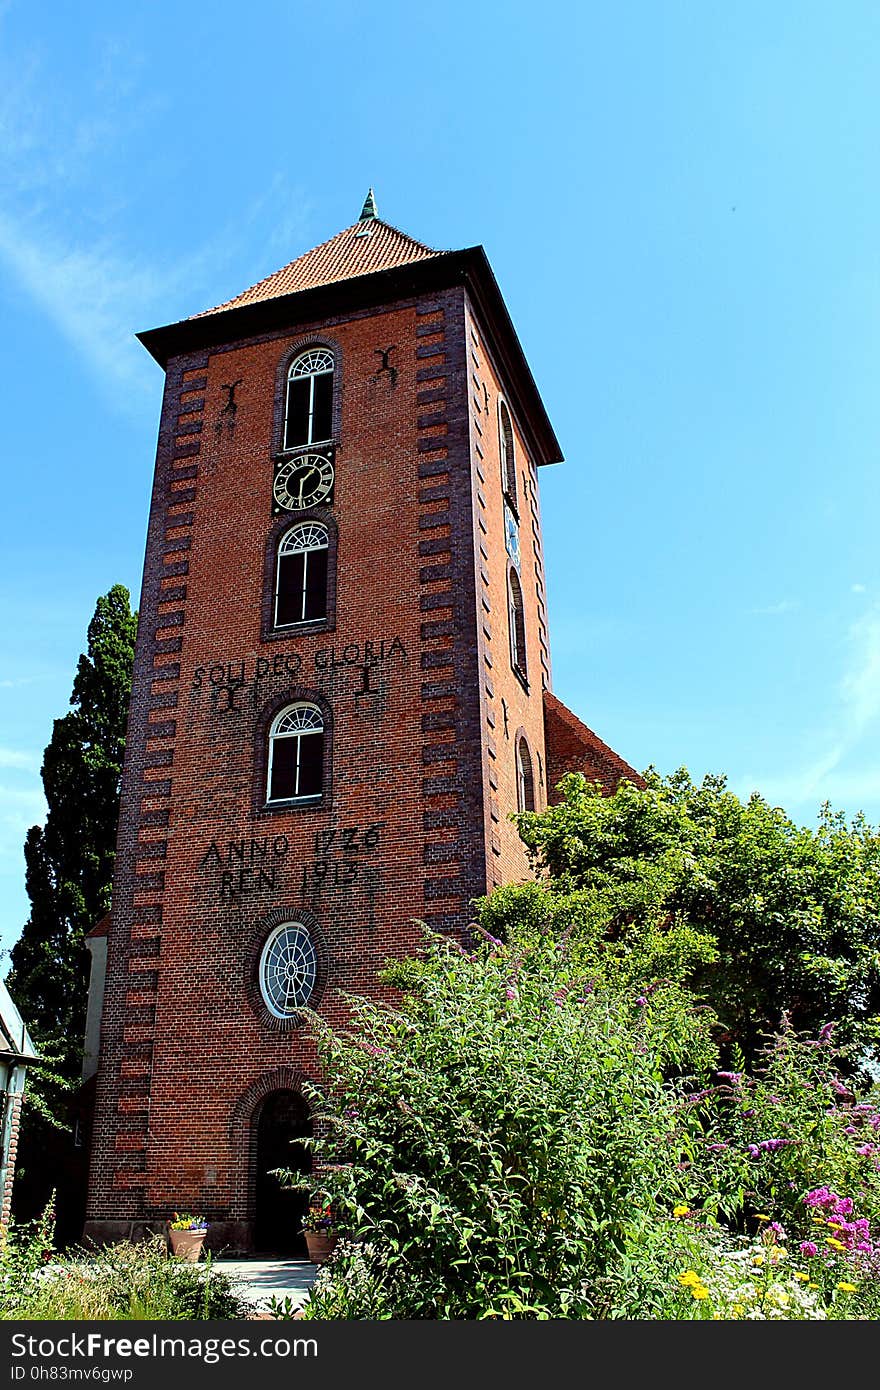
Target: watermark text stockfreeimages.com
point(95, 1346)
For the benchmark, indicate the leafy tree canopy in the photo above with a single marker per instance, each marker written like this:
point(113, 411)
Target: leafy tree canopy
point(763, 917)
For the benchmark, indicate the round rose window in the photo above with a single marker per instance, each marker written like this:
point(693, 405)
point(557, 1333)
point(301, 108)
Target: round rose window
point(288, 969)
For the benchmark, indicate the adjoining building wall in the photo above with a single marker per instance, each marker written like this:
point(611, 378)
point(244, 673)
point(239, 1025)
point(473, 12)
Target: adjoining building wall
point(572, 747)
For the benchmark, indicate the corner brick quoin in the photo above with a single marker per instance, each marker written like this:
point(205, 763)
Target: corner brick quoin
point(436, 435)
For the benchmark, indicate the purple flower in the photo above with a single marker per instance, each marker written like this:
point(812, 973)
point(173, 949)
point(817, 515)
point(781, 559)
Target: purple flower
point(641, 1001)
point(714, 1148)
point(819, 1197)
point(511, 993)
point(735, 1077)
point(865, 1150)
point(754, 1150)
point(825, 1032)
point(807, 1247)
point(487, 936)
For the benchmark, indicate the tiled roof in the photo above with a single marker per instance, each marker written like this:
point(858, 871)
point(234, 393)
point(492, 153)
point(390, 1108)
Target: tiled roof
point(366, 246)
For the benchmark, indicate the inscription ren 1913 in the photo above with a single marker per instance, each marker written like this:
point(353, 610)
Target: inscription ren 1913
point(249, 866)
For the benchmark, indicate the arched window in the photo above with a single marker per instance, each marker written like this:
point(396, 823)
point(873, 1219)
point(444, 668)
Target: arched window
point(508, 459)
point(296, 754)
point(301, 575)
point(288, 969)
point(308, 415)
point(517, 621)
point(525, 777)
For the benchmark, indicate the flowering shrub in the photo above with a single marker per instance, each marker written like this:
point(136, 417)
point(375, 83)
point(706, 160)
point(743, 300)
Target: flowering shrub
point(506, 1136)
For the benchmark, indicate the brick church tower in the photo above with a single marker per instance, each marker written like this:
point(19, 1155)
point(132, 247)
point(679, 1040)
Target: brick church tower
point(341, 691)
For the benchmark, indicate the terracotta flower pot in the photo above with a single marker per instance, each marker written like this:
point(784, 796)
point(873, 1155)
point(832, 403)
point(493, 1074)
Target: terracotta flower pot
point(187, 1244)
point(320, 1245)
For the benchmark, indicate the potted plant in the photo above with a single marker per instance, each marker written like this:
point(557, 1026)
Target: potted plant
point(319, 1231)
point(187, 1235)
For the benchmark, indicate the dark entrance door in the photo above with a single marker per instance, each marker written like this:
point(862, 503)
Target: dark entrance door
point(283, 1120)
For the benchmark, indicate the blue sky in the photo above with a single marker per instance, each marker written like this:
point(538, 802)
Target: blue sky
point(681, 205)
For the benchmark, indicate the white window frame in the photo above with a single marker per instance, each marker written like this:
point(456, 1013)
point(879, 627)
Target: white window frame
point(306, 950)
point(313, 362)
point(509, 479)
point(522, 744)
point(316, 726)
point(288, 545)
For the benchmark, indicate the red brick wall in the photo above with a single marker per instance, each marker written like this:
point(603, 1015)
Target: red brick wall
point(509, 707)
point(572, 747)
point(187, 1049)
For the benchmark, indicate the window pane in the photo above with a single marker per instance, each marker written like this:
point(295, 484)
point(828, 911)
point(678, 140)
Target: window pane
point(289, 607)
point(315, 584)
point(311, 764)
point(283, 782)
point(322, 419)
point(297, 419)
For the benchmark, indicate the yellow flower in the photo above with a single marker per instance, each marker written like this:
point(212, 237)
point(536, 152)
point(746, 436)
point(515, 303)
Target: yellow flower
point(699, 1291)
point(689, 1277)
point(804, 1278)
point(812, 1285)
point(759, 1216)
point(680, 1211)
point(757, 1259)
point(835, 1243)
point(738, 1309)
point(846, 1288)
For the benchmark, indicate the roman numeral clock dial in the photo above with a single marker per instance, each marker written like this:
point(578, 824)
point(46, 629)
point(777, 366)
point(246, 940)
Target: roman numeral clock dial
point(303, 482)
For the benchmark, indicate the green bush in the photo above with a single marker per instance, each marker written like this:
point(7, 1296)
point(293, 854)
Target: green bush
point(508, 1138)
point(128, 1280)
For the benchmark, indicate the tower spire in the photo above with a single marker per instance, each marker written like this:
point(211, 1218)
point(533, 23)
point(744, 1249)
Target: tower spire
point(369, 212)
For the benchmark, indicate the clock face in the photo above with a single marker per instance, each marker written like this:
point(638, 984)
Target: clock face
point(303, 482)
point(511, 535)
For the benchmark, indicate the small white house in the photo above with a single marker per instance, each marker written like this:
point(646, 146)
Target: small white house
point(16, 1054)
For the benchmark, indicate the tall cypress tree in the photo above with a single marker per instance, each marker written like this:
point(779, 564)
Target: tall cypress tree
point(69, 865)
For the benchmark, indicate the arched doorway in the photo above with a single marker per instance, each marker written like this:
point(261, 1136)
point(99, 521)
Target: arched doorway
point(281, 1122)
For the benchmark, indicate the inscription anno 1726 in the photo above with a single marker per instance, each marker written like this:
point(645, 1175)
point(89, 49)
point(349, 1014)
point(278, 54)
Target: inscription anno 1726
point(246, 867)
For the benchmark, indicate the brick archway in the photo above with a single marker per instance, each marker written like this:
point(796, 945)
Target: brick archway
point(243, 1135)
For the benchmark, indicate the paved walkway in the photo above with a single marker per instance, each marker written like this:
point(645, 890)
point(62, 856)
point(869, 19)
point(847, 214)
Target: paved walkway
point(259, 1279)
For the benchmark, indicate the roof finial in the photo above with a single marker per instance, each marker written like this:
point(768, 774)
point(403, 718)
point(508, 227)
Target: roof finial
point(368, 211)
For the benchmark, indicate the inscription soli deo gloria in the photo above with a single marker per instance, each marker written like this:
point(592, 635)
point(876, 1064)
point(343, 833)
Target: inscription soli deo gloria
point(250, 673)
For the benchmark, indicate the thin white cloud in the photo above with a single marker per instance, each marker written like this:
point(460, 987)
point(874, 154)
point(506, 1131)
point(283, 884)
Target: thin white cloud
point(774, 610)
point(857, 589)
point(824, 778)
point(16, 757)
point(89, 294)
point(14, 682)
